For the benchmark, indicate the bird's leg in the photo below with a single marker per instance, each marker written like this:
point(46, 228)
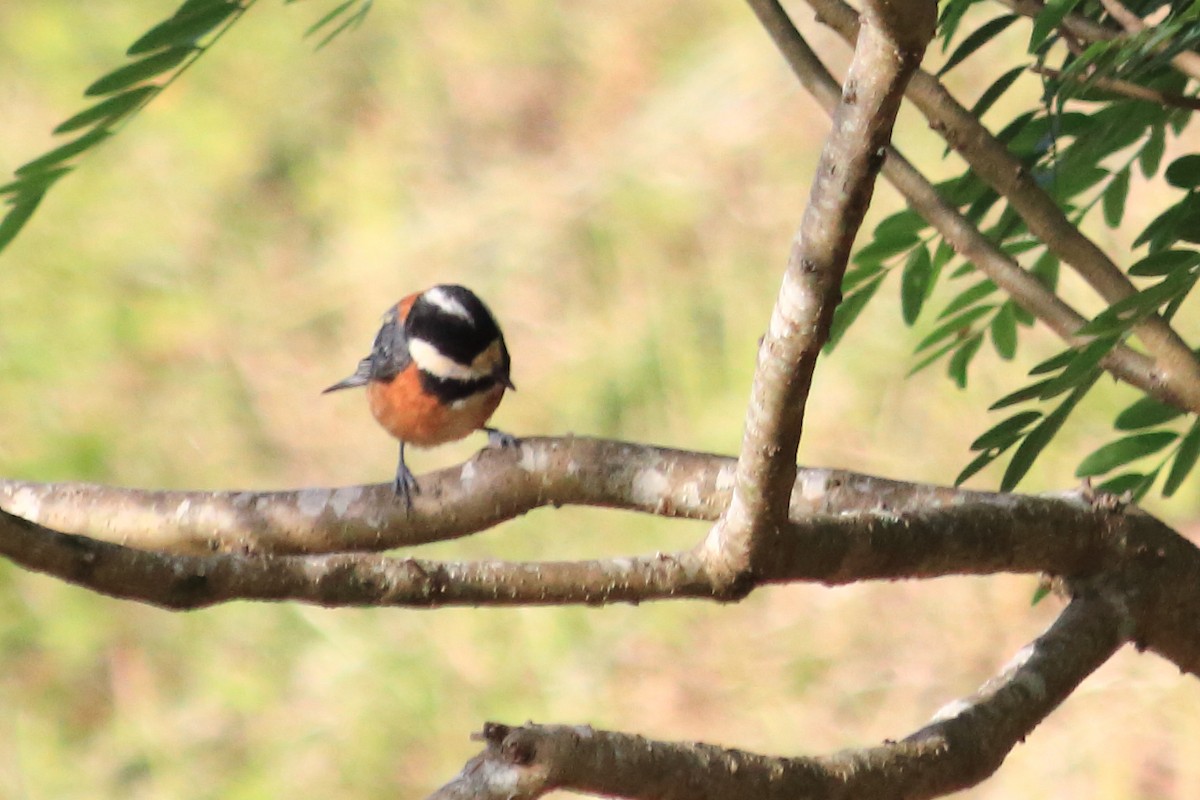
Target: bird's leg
point(498, 438)
point(406, 483)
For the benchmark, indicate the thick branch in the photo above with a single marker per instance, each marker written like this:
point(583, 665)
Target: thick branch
point(1026, 290)
point(494, 486)
point(992, 162)
point(965, 743)
point(182, 582)
point(1069, 536)
point(889, 48)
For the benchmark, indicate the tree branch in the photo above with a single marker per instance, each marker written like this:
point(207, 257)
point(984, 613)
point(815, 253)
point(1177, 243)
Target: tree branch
point(965, 743)
point(1081, 27)
point(492, 487)
point(889, 47)
point(991, 161)
point(1027, 291)
point(1124, 88)
point(928, 533)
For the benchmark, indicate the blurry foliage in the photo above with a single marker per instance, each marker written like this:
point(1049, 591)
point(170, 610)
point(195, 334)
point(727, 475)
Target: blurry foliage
point(621, 182)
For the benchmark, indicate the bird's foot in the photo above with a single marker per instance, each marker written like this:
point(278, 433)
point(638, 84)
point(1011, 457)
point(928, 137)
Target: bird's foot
point(500, 439)
point(405, 487)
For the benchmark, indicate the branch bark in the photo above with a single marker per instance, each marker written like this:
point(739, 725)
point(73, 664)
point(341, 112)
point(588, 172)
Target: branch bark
point(964, 744)
point(493, 486)
point(898, 532)
point(888, 49)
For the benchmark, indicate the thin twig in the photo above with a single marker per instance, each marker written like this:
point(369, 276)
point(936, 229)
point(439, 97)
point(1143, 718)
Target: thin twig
point(1124, 88)
point(1186, 62)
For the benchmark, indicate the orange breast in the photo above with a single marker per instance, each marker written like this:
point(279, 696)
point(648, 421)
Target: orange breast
point(419, 419)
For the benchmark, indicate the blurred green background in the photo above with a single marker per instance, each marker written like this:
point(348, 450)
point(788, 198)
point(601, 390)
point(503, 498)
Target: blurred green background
point(620, 181)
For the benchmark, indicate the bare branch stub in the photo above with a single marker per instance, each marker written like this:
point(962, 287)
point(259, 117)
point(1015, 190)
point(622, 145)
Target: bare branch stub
point(889, 48)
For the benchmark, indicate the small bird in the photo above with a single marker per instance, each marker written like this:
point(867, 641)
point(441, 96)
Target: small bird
point(436, 372)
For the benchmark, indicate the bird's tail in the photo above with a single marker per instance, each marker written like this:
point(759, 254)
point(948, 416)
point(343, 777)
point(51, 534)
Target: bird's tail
point(359, 378)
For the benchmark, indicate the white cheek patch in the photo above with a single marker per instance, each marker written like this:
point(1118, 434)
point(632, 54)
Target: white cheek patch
point(430, 359)
point(442, 299)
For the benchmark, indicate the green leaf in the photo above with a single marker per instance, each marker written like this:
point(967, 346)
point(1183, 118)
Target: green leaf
point(1006, 432)
point(932, 357)
point(354, 19)
point(1079, 178)
point(915, 283)
point(185, 28)
point(333, 14)
point(995, 91)
point(1040, 593)
point(1152, 151)
point(1126, 482)
point(1121, 315)
point(1114, 198)
point(22, 209)
point(968, 297)
point(1022, 316)
point(980, 461)
point(1047, 20)
point(1185, 459)
point(1045, 269)
point(906, 224)
point(1184, 172)
point(1146, 412)
point(1004, 331)
point(1165, 262)
point(979, 208)
point(1081, 369)
point(1031, 392)
point(961, 359)
point(953, 326)
point(943, 255)
point(108, 110)
point(848, 311)
point(855, 276)
point(34, 183)
point(1039, 437)
point(951, 16)
point(1054, 363)
point(881, 250)
point(1124, 450)
point(63, 152)
point(138, 71)
point(981, 36)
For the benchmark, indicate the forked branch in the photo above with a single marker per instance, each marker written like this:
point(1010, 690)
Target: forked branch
point(890, 46)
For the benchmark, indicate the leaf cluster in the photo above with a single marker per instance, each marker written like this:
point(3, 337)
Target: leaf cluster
point(156, 59)
point(1081, 143)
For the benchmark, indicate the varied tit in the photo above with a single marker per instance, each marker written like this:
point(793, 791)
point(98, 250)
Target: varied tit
point(436, 372)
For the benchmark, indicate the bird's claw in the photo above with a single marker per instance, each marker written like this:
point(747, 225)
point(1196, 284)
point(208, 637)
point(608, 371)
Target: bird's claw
point(500, 439)
point(405, 486)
